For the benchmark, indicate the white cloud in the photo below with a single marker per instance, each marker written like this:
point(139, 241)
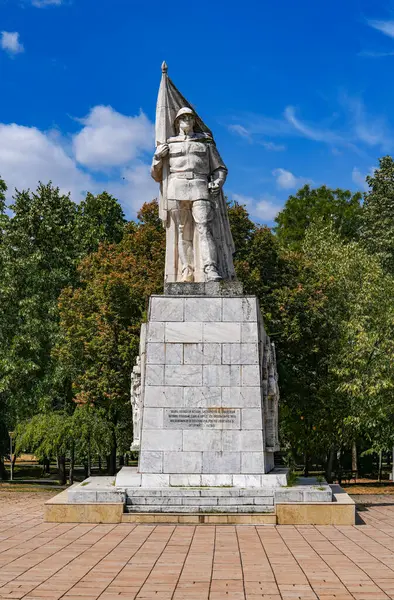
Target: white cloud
point(273, 147)
point(285, 180)
point(359, 178)
point(264, 208)
point(28, 155)
point(10, 42)
point(386, 27)
point(372, 131)
point(110, 139)
point(241, 131)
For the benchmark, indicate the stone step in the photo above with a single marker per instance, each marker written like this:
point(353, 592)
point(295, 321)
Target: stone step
point(200, 492)
point(194, 501)
point(171, 508)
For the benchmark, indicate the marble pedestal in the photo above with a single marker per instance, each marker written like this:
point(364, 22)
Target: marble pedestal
point(209, 401)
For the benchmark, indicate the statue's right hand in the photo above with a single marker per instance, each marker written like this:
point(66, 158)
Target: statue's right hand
point(162, 151)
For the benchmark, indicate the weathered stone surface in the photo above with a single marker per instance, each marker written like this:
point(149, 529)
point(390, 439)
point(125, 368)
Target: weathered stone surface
point(211, 288)
point(203, 309)
point(163, 396)
point(166, 309)
point(221, 332)
point(189, 333)
point(182, 462)
point(174, 354)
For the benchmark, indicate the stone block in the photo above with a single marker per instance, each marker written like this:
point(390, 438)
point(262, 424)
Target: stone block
point(260, 508)
point(154, 375)
point(203, 309)
point(242, 397)
point(156, 439)
point(288, 495)
point(155, 332)
point(242, 441)
point(128, 477)
point(206, 501)
point(110, 496)
point(188, 333)
point(250, 375)
point(185, 480)
point(251, 418)
point(313, 494)
point(163, 396)
point(153, 418)
point(249, 333)
point(151, 480)
point(174, 354)
point(205, 396)
point(240, 354)
point(202, 440)
point(210, 288)
point(240, 309)
point(150, 462)
point(221, 375)
point(183, 375)
point(166, 309)
point(221, 462)
point(158, 502)
point(81, 496)
point(252, 462)
point(202, 354)
point(155, 353)
point(182, 462)
point(247, 481)
point(278, 478)
point(224, 492)
point(221, 332)
point(217, 480)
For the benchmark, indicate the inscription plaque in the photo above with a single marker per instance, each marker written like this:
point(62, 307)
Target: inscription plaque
point(202, 418)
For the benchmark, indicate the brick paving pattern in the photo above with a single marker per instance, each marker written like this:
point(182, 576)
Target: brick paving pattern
point(49, 561)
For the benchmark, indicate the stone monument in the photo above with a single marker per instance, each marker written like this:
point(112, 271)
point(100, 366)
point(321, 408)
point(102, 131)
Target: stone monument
point(204, 391)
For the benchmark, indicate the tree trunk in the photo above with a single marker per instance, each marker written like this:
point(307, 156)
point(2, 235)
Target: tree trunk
point(380, 467)
point(47, 466)
point(112, 458)
point(85, 469)
point(127, 460)
point(89, 461)
point(61, 464)
point(121, 460)
point(330, 465)
point(72, 461)
point(99, 464)
point(339, 463)
point(3, 470)
point(354, 457)
point(306, 464)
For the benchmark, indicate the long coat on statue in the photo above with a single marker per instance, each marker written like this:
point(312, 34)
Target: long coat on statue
point(199, 155)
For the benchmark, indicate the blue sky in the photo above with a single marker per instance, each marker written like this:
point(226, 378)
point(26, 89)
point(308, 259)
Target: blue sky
point(294, 91)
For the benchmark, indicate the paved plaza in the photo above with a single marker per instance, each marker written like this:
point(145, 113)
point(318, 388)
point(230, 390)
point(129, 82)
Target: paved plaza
point(50, 561)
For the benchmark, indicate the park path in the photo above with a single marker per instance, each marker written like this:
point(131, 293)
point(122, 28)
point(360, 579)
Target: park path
point(49, 561)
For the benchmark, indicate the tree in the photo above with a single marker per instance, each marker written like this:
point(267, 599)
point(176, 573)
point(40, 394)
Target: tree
point(378, 214)
point(340, 207)
point(336, 345)
point(99, 219)
point(38, 255)
point(101, 318)
point(41, 245)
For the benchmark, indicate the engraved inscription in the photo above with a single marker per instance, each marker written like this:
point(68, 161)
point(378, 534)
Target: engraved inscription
point(205, 418)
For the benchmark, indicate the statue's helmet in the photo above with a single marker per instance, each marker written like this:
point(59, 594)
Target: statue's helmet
point(184, 111)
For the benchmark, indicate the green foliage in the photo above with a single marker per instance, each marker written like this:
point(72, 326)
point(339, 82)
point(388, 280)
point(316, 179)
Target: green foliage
point(339, 207)
point(100, 219)
point(378, 214)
